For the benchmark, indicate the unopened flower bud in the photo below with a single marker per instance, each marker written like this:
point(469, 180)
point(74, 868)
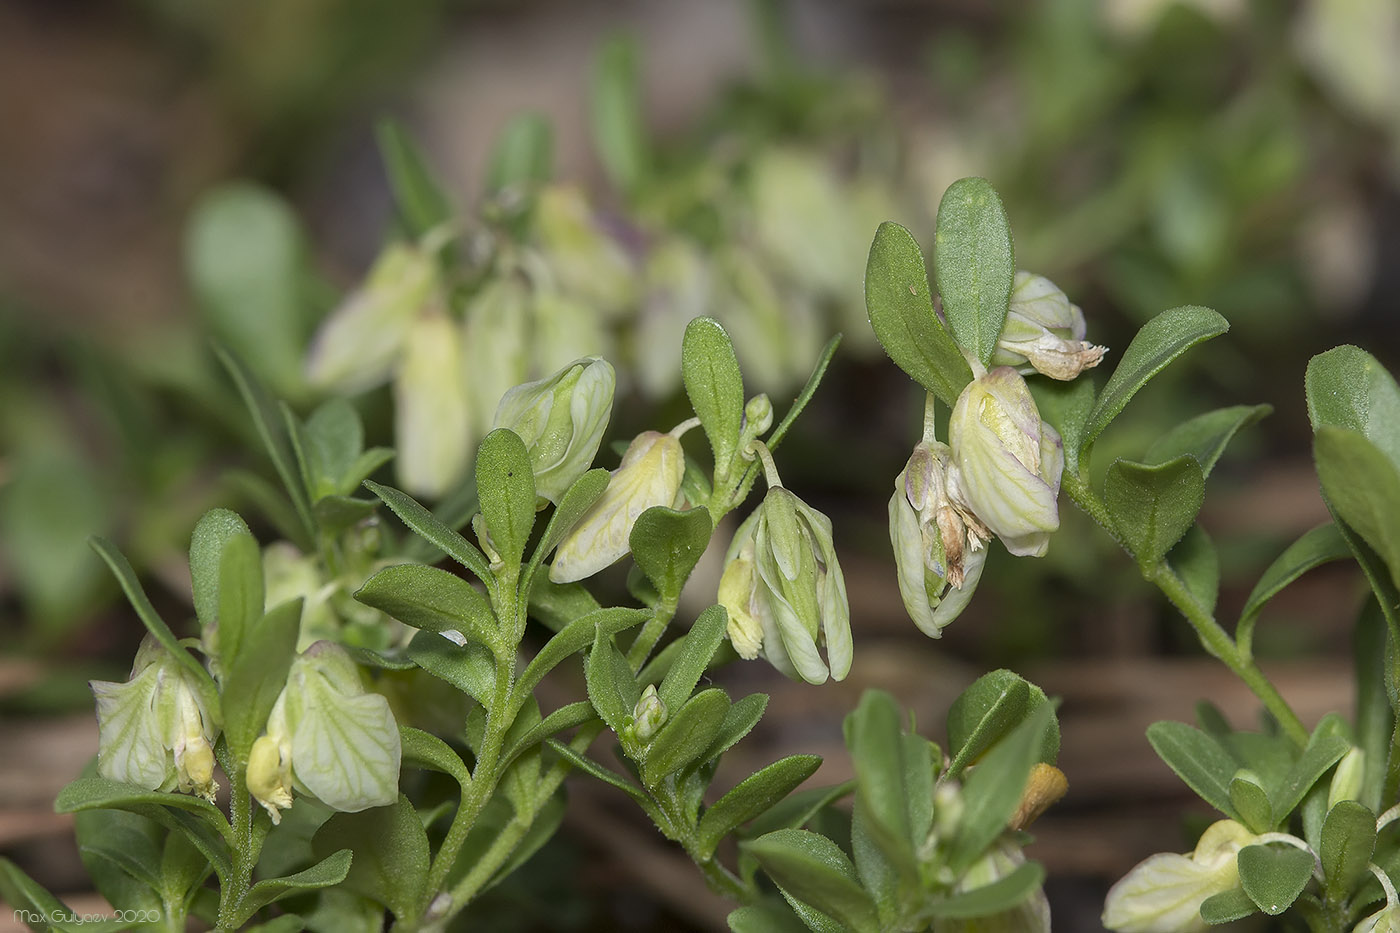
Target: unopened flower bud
point(155, 730)
point(495, 345)
point(1008, 461)
point(1045, 786)
point(758, 418)
point(1044, 332)
point(359, 344)
point(1346, 780)
point(1030, 915)
point(326, 736)
point(939, 551)
point(649, 715)
point(650, 474)
point(433, 432)
point(788, 586)
point(1163, 894)
point(561, 419)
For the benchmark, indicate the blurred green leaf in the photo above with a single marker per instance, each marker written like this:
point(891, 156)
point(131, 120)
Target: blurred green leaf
point(811, 868)
point(1066, 406)
point(422, 203)
point(615, 111)
point(900, 304)
point(975, 264)
point(1363, 485)
point(1205, 436)
point(523, 155)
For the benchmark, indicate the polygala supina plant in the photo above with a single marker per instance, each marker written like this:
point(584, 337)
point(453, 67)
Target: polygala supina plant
point(387, 636)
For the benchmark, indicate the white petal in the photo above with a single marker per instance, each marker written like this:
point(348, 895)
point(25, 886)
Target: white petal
point(345, 750)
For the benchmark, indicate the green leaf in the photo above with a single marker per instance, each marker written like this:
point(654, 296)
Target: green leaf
point(900, 304)
point(1153, 506)
point(1348, 388)
point(879, 857)
point(126, 578)
point(545, 824)
point(505, 487)
point(326, 873)
point(1195, 562)
point(1323, 750)
point(993, 790)
point(430, 599)
point(606, 775)
point(1066, 406)
point(577, 635)
point(426, 750)
point(1159, 342)
point(1362, 485)
point(1197, 759)
point(1374, 720)
point(431, 529)
point(975, 264)
point(335, 440)
point(697, 648)
point(872, 734)
point(991, 899)
point(797, 810)
point(812, 869)
point(767, 916)
point(1205, 436)
point(555, 605)
point(983, 713)
point(1273, 877)
point(1227, 907)
point(272, 431)
point(565, 717)
point(667, 544)
point(615, 111)
point(738, 722)
point(1315, 548)
point(207, 543)
point(391, 855)
point(1252, 804)
point(686, 735)
point(122, 853)
point(95, 793)
point(714, 386)
point(422, 204)
point(1348, 841)
point(336, 514)
point(255, 678)
point(470, 667)
point(612, 689)
point(753, 795)
point(23, 894)
point(240, 593)
point(523, 155)
point(245, 256)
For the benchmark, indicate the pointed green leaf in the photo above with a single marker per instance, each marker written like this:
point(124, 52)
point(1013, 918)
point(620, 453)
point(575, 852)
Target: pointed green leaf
point(523, 154)
point(975, 264)
point(430, 599)
point(565, 717)
point(391, 855)
point(1323, 750)
point(589, 766)
point(812, 869)
point(991, 899)
point(615, 111)
point(714, 386)
point(805, 396)
point(767, 916)
point(421, 201)
point(573, 637)
point(697, 648)
point(1159, 342)
point(1153, 506)
point(425, 750)
point(328, 872)
point(1197, 759)
point(1374, 720)
point(900, 303)
point(1362, 485)
point(214, 530)
point(738, 722)
point(432, 529)
point(686, 735)
point(1315, 548)
point(753, 795)
point(1205, 436)
point(872, 734)
point(1274, 876)
point(1195, 562)
point(255, 678)
point(993, 790)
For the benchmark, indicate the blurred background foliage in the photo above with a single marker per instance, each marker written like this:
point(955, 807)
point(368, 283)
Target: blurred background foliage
point(177, 172)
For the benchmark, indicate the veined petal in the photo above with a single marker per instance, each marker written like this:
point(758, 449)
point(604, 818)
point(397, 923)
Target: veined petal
point(129, 737)
point(345, 749)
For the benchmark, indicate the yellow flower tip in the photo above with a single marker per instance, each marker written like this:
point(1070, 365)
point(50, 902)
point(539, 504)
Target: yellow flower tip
point(269, 777)
point(1045, 786)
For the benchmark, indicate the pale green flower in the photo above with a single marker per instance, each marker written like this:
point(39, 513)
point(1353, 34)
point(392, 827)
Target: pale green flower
point(1044, 332)
point(433, 431)
point(1008, 462)
point(155, 730)
point(784, 591)
point(565, 328)
point(1031, 915)
point(328, 737)
point(1163, 894)
point(358, 345)
point(650, 474)
point(561, 419)
point(586, 262)
point(677, 289)
point(1385, 920)
point(939, 553)
point(1347, 778)
point(495, 345)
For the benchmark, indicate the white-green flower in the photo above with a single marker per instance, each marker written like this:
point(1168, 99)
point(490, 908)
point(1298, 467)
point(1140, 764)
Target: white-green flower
point(586, 262)
point(784, 591)
point(327, 736)
point(358, 345)
point(650, 474)
point(495, 345)
point(1008, 462)
point(1031, 915)
point(433, 431)
point(155, 730)
point(1163, 894)
point(939, 552)
point(1044, 332)
point(1385, 920)
point(561, 419)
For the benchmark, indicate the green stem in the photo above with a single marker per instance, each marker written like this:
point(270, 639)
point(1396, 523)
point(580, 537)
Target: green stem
point(245, 855)
point(1213, 637)
point(650, 634)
